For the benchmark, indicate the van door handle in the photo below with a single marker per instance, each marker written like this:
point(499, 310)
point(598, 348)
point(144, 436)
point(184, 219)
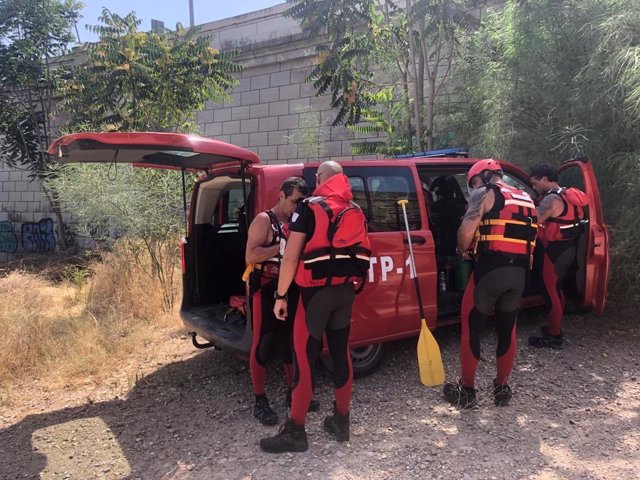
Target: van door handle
point(415, 240)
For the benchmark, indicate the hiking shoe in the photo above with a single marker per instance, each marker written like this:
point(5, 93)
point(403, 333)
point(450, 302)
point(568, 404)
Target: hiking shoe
point(337, 425)
point(547, 340)
point(263, 411)
point(314, 406)
point(545, 331)
point(501, 394)
point(290, 438)
point(459, 395)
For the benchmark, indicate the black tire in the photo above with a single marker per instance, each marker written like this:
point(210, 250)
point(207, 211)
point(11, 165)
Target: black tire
point(364, 360)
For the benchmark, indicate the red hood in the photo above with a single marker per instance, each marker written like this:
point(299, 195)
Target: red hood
point(336, 186)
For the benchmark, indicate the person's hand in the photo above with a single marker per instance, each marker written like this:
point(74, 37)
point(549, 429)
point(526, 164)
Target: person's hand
point(280, 309)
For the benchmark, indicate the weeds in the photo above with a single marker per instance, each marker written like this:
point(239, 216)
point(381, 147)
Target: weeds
point(82, 327)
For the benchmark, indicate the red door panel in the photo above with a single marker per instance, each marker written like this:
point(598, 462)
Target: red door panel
point(579, 173)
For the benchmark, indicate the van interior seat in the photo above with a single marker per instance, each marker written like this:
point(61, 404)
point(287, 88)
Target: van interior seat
point(447, 210)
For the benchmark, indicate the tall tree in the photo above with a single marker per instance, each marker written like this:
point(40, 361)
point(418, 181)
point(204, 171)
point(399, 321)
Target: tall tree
point(381, 48)
point(144, 81)
point(33, 33)
point(138, 81)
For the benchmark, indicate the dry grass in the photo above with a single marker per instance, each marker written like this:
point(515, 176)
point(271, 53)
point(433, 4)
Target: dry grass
point(81, 329)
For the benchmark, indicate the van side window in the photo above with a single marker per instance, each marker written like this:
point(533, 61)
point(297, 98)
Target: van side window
point(377, 190)
point(227, 211)
point(519, 184)
point(359, 194)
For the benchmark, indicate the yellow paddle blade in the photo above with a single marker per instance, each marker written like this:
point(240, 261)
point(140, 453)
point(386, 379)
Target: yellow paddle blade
point(429, 358)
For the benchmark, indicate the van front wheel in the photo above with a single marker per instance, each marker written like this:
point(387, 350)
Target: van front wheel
point(364, 360)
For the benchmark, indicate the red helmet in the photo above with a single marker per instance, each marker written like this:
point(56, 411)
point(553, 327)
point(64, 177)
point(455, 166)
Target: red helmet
point(481, 166)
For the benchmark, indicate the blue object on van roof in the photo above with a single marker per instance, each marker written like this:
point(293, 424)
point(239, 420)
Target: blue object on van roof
point(445, 152)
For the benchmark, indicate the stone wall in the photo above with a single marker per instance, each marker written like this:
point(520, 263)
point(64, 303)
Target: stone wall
point(26, 224)
point(272, 103)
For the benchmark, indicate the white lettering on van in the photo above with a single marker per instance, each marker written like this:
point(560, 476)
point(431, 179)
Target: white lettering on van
point(386, 264)
point(386, 267)
point(372, 262)
point(409, 264)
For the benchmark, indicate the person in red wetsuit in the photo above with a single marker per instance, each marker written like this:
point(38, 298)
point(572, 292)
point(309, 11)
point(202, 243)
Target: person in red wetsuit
point(325, 275)
point(266, 240)
point(503, 221)
point(562, 217)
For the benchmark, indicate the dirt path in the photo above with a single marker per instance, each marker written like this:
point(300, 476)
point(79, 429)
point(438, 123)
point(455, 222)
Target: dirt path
point(575, 415)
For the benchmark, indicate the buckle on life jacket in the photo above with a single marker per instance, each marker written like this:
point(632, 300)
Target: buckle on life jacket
point(250, 268)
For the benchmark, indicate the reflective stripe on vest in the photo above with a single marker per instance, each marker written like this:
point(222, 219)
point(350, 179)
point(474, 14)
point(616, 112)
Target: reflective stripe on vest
point(510, 226)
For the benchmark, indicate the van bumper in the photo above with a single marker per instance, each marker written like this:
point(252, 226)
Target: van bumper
point(221, 336)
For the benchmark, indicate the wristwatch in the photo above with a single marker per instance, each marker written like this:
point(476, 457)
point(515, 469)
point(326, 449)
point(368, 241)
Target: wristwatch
point(277, 296)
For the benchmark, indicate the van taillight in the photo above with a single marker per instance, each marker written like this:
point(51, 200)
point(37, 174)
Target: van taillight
point(183, 246)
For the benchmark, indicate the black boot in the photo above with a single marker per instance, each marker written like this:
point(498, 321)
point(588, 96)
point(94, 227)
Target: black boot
point(290, 438)
point(547, 340)
point(263, 412)
point(501, 394)
point(337, 425)
point(314, 406)
point(459, 395)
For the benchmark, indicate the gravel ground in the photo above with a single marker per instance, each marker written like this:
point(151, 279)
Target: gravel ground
point(574, 415)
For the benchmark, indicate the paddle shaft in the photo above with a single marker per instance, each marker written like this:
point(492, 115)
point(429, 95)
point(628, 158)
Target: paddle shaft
point(413, 261)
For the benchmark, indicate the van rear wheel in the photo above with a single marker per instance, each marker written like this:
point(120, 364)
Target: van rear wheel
point(364, 360)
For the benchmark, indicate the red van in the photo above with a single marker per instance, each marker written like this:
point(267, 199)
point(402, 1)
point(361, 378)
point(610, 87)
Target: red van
point(232, 187)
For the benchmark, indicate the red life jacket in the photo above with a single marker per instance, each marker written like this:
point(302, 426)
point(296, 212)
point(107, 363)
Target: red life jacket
point(573, 219)
point(509, 228)
point(339, 250)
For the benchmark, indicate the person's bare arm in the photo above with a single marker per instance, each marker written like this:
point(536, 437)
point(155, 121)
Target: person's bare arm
point(288, 267)
point(480, 201)
point(257, 236)
point(550, 206)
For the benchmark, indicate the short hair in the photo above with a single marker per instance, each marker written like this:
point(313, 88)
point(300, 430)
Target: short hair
point(292, 183)
point(544, 170)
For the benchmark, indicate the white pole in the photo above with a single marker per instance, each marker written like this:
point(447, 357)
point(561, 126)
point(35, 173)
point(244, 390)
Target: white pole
point(191, 22)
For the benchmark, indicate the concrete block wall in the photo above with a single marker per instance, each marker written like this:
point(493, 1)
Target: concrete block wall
point(272, 103)
point(27, 225)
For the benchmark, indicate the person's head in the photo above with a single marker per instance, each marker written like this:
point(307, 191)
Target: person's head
point(292, 192)
point(543, 177)
point(483, 172)
point(326, 170)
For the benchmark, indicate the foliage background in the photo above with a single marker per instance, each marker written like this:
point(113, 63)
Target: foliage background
point(545, 81)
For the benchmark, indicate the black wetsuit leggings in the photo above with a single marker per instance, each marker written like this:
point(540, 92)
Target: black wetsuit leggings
point(322, 310)
point(271, 337)
point(494, 289)
point(554, 261)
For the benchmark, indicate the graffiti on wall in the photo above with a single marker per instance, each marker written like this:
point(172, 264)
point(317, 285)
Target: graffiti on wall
point(38, 236)
point(8, 239)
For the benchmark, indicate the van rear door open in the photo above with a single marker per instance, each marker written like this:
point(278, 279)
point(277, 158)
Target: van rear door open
point(149, 149)
point(218, 196)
